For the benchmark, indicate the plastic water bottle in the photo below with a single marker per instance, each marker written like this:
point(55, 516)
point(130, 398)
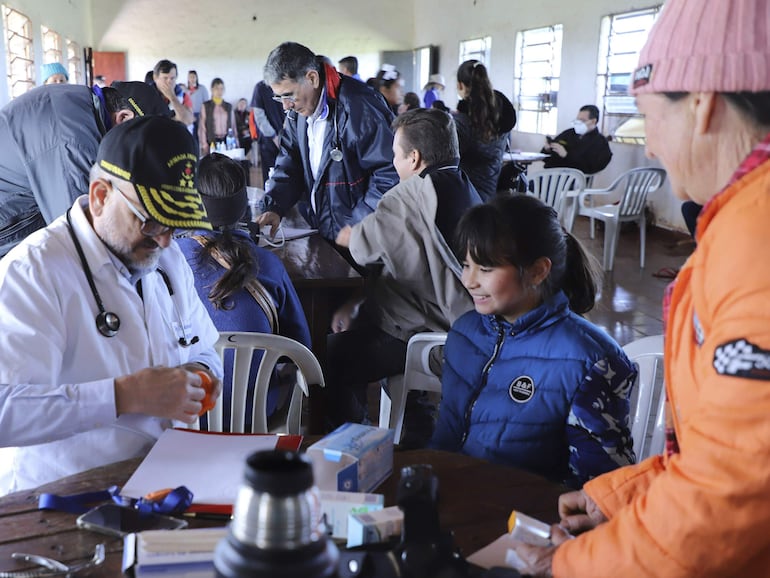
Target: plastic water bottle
point(269, 183)
point(230, 141)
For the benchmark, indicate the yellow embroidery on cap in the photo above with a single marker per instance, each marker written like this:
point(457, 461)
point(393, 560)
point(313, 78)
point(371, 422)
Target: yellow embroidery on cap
point(187, 179)
point(115, 170)
point(136, 107)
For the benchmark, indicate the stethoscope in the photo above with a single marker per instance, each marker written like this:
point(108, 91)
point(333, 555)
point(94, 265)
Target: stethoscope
point(108, 322)
point(336, 154)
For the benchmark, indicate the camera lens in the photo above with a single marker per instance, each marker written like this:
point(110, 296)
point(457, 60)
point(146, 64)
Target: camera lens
point(274, 531)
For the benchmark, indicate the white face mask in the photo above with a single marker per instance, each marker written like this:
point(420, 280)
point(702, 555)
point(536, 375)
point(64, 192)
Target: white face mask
point(580, 127)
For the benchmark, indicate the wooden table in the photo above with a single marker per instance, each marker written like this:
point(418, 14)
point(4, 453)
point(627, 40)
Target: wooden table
point(323, 280)
point(475, 500)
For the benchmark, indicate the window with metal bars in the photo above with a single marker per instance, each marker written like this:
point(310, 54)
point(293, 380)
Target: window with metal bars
point(74, 62)
point(536, 78)
point(622, 37)
point(17, 29)
point(476, 49)
point(52, 51)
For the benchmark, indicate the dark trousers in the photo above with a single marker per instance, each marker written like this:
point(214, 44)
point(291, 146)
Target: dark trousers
point(356, 358)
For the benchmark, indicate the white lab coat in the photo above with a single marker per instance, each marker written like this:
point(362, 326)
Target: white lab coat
point(57, 401)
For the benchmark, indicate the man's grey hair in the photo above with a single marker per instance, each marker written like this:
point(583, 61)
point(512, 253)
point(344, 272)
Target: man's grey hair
point(430, 131)
point(289, 61)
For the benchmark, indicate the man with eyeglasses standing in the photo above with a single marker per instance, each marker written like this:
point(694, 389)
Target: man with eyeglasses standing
point(104, 342)
point(336, 158)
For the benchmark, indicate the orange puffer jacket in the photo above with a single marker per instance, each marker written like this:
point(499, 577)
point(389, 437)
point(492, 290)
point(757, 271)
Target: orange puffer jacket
point(706, 511)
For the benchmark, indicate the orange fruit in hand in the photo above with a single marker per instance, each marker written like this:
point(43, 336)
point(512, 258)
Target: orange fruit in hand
point(207, 402)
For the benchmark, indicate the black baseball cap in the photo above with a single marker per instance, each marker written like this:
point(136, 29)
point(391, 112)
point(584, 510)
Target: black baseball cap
point(144, 99)
point(157, 155)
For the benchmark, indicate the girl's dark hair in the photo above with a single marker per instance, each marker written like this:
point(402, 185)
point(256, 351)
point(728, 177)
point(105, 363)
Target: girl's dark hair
point(482, 104)
point(519, 229)
point(221, 177)
point(755, 106)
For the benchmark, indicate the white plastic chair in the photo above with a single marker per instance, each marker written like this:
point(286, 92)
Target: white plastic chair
point(636, 184)
point(648, 398)
point(558, 188)
point(275, 347)
point(417, 375)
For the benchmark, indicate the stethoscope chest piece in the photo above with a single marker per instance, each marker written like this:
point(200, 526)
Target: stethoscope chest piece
point(108, 323)
point(336, 154)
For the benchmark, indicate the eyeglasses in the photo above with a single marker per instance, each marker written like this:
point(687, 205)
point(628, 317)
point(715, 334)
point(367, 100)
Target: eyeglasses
point(150, 227)
point(282, 98)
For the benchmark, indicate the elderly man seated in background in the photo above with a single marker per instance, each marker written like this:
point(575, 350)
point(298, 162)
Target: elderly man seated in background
point(104, 342)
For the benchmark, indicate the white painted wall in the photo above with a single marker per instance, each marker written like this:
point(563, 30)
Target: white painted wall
point(438, 23)
point(221, 37)
point(70, 18)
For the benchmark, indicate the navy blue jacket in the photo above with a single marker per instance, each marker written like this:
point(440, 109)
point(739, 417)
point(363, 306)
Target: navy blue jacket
point(246, 314)
point(548, 393)
point(346, 190)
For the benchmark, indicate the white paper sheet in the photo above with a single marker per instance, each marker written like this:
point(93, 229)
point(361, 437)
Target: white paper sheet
point(493, 554)
point(210, 465)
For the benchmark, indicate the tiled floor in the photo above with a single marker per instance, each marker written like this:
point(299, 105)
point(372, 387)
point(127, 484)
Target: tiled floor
point(629, 306)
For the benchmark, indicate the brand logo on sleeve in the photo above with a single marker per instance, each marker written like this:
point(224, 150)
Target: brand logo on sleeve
point(741, 358)
point(522, 389)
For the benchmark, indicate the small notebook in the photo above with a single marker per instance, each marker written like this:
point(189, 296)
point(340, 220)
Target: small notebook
point(209, 464)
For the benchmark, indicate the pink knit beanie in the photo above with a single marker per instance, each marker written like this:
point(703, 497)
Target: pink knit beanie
point(707, 45)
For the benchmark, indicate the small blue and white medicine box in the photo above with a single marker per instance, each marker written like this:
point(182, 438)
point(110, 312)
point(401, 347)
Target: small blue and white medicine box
point(337, 506)
point(374, 527)
point(352, 458)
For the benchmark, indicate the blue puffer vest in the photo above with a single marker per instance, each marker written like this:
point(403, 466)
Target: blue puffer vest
point(508, 388)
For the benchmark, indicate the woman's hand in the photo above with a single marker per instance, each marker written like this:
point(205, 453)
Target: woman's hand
point(579, 512)
point(538, 560)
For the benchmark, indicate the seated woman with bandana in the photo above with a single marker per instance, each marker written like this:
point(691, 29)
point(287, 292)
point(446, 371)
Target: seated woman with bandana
point(226, 261)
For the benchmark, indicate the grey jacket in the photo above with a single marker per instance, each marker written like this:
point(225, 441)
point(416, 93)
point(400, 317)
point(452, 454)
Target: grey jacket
point(49, 138)
point(418, 287)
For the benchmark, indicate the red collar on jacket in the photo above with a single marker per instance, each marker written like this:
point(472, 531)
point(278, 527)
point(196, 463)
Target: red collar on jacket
point(333, 80)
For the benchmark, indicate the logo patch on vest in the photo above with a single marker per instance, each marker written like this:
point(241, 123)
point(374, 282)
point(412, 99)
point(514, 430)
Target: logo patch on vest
point(741, 358)
point(522, 389)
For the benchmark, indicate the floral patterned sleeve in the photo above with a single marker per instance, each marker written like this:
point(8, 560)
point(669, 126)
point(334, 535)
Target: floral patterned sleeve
point(598, 425)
